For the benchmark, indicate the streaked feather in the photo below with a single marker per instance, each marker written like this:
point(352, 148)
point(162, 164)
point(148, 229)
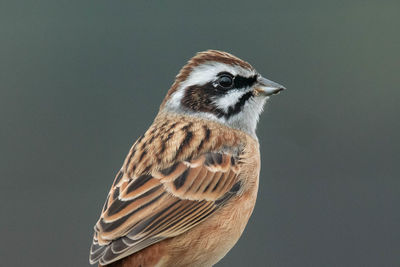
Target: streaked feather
point(162, 203)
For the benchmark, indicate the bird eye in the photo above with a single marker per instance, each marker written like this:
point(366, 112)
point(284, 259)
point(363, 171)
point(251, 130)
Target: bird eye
point(225, 81)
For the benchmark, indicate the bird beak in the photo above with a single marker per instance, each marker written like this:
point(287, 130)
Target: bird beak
point(266, 87)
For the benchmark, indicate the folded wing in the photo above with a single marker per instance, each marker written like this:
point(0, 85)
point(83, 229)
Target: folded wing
point(163, 203)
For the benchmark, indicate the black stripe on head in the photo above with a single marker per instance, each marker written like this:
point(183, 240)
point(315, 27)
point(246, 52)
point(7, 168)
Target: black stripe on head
point(243, 82)
point(239, 82)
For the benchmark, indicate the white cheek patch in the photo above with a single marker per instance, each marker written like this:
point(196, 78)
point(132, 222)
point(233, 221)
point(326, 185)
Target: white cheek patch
point(229, 99)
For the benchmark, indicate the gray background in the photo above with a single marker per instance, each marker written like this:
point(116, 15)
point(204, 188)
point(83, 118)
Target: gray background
point(80, 81)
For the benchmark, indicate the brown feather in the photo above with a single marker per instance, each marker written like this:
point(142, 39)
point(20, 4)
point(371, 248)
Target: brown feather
point(161, 196)
point(185, 191)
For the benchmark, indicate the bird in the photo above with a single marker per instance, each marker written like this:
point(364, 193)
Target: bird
point(188, 185)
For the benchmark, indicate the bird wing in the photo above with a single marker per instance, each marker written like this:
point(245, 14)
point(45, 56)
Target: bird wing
point(143, 210)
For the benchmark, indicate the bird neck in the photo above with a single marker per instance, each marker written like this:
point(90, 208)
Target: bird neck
point(245, 122)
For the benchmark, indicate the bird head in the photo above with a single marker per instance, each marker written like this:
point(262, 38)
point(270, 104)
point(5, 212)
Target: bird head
point(218, 86)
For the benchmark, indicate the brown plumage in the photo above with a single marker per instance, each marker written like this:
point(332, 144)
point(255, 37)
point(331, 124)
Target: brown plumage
point(187, 187)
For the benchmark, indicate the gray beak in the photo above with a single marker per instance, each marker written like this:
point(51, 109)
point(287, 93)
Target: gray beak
point(266, 87)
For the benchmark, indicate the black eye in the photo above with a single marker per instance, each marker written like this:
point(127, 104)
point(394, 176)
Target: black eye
point(225, 81)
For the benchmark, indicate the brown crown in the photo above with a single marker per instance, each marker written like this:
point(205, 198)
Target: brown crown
point(200, 58)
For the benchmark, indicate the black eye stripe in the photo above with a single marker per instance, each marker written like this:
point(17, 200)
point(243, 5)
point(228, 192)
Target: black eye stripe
point(240, 81)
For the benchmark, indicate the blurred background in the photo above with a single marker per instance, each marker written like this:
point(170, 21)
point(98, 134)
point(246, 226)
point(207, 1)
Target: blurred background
point(80, 81)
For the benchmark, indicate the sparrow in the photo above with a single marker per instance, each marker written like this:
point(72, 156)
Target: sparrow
point(188, 185)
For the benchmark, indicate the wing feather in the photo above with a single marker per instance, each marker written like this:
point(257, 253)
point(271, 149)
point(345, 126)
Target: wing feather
point(162, 203)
